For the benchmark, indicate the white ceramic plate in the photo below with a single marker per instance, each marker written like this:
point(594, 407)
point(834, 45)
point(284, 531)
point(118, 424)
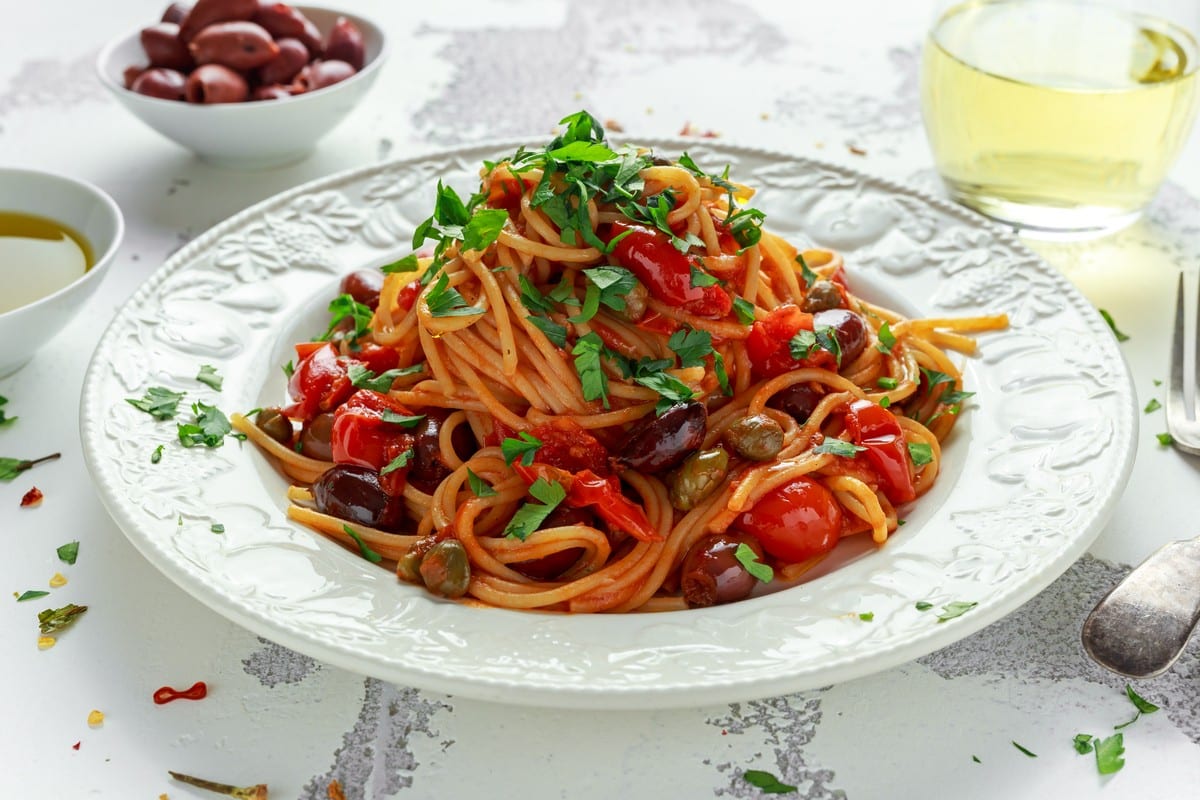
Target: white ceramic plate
point(1031, 473)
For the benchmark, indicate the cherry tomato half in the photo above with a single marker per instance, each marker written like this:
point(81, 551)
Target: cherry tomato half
point(795, 521)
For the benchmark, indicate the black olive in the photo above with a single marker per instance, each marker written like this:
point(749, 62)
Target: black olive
point(428, 467)
point(711, 573)
point(662, 443)
point(799, 400)
point(364, 286)
point(849, 328)
point(354, 493)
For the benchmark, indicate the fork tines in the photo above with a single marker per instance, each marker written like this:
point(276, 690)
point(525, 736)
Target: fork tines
point(1183, 418)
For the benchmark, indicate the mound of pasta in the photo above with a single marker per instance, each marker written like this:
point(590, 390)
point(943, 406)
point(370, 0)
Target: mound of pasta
point(599, 384)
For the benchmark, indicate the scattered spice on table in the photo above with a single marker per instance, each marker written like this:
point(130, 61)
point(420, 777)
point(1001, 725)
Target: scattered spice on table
point(166, 694)
point(334, 790)
point(256, 792)
point(32, 498)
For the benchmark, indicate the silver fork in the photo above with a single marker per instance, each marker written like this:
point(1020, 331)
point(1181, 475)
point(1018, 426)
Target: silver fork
point(1183, 422)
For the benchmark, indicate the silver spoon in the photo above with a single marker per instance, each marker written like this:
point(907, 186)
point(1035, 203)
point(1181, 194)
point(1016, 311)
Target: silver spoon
point(1143, 624)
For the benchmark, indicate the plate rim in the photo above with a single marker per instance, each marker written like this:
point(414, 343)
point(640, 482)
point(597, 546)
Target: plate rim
point(583, 696)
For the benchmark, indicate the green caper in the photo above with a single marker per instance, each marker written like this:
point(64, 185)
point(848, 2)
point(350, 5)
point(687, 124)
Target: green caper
point(446, 569)
point(273, 423)
point(756, 437)
point(822, 296)
point(698, 477)
point(408, 566)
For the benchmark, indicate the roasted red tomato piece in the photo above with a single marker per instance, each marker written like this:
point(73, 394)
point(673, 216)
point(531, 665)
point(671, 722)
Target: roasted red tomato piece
point(795, 521)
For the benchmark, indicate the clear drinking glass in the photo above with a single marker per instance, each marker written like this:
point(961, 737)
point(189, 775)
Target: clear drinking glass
point(1060, 117)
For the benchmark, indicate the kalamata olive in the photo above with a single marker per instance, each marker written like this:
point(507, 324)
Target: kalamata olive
point(176, 13)
point(283, 21)
point(408, 566)
point(213, 83)
point(446, 570)
point(316, 436)
point(320, 74)
point(662, 442)
point(698, 477)
point(799, 400)
point(293, 55)
point(822, 296)
point(756, 437)
point(164, 48)
point(273, 92)
point(364, 286)
point(131, 74)
point(635, 303)
point(209, 12)
point(345, 43)
point(163, 83)
point(273, 423)
point(238, 45)
point(353, 493)
point(850, 329)
point(428, 467)
point(711, 573)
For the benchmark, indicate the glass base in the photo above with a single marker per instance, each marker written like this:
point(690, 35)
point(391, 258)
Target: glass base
point(1055, 223)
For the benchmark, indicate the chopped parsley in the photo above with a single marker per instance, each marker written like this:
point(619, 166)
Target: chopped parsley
point(1165, 439)
point(31, 594)
point(479, 487)
point(445, 226)
point(824, 337)
point(1152, 406)
point(922, 605)
point(867, 616)
point(612, 283)
point(1121, 337)
point(156, 456)
point(802, 344)
point(531, 515)
point(1110, 754)
point(594, 381)
point(392, 418)
point(68, 552)
point(920, 453)
point(524, 448)
point(407, 264)
point(345, 307)
point(484, 228)
point(209, 377)
point(159, 402)
point(749, 559)
point(55, 619)
point(766, 782)
point(887, 339)
point(1143, 705)
point(1083, 743)
point(532, 298)
point(955, 609)
point(5, 421)
point(446, 302)
point(363, 378)
point(399, 462)
point(806, 272)
point(885, 402)
point(288, 368)
point(1025, 750)
point(701, 279)
point(746, 226)
point(691, 346)
point(838, 447)
point(744, 310)
point(557, 334)
point(210, 428)
point(887, 382)
point(217, 527)
point(367, 552)
point(670, 390)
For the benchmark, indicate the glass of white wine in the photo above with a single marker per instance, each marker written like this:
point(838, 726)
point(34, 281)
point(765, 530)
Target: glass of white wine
point(1060, 117)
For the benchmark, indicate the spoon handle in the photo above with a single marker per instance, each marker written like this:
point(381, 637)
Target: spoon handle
point(1143, 624)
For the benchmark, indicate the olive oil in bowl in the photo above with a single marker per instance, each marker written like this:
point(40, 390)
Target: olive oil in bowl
point(1056, 115)
point(38, 256)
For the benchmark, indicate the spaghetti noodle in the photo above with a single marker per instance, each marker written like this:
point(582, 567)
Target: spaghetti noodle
point(610, 389)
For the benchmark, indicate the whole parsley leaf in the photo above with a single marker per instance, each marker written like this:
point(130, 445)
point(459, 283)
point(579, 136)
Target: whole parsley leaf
point(671, 390)
point(744, 310)
point(210, 428)
point(531, 515)
point(346, 307)
point(158, 401)
point(523, 447)
point(692, 346)
point(10, 468)
point(587, 351)
point(613, 284)
point(1110, 754)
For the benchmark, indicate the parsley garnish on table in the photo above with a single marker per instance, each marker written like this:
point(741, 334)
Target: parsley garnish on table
point(158, 401)
point(766, 782)
point(5, 421)
point(10, 468)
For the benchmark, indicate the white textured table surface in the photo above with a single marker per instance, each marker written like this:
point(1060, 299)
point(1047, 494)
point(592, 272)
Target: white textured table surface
point(812, 81)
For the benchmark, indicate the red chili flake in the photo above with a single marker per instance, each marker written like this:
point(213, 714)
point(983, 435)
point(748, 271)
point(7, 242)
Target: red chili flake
point(165, 694)
point(76, 745)
point(32, 497)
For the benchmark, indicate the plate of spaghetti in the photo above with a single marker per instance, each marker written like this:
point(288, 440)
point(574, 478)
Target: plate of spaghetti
point(601, 424)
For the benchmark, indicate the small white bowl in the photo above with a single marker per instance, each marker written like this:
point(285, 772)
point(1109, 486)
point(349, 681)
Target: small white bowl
point(81, 207)
point(254, 134)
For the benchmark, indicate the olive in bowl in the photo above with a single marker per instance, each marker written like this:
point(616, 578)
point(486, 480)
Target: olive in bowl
point(248, 85)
